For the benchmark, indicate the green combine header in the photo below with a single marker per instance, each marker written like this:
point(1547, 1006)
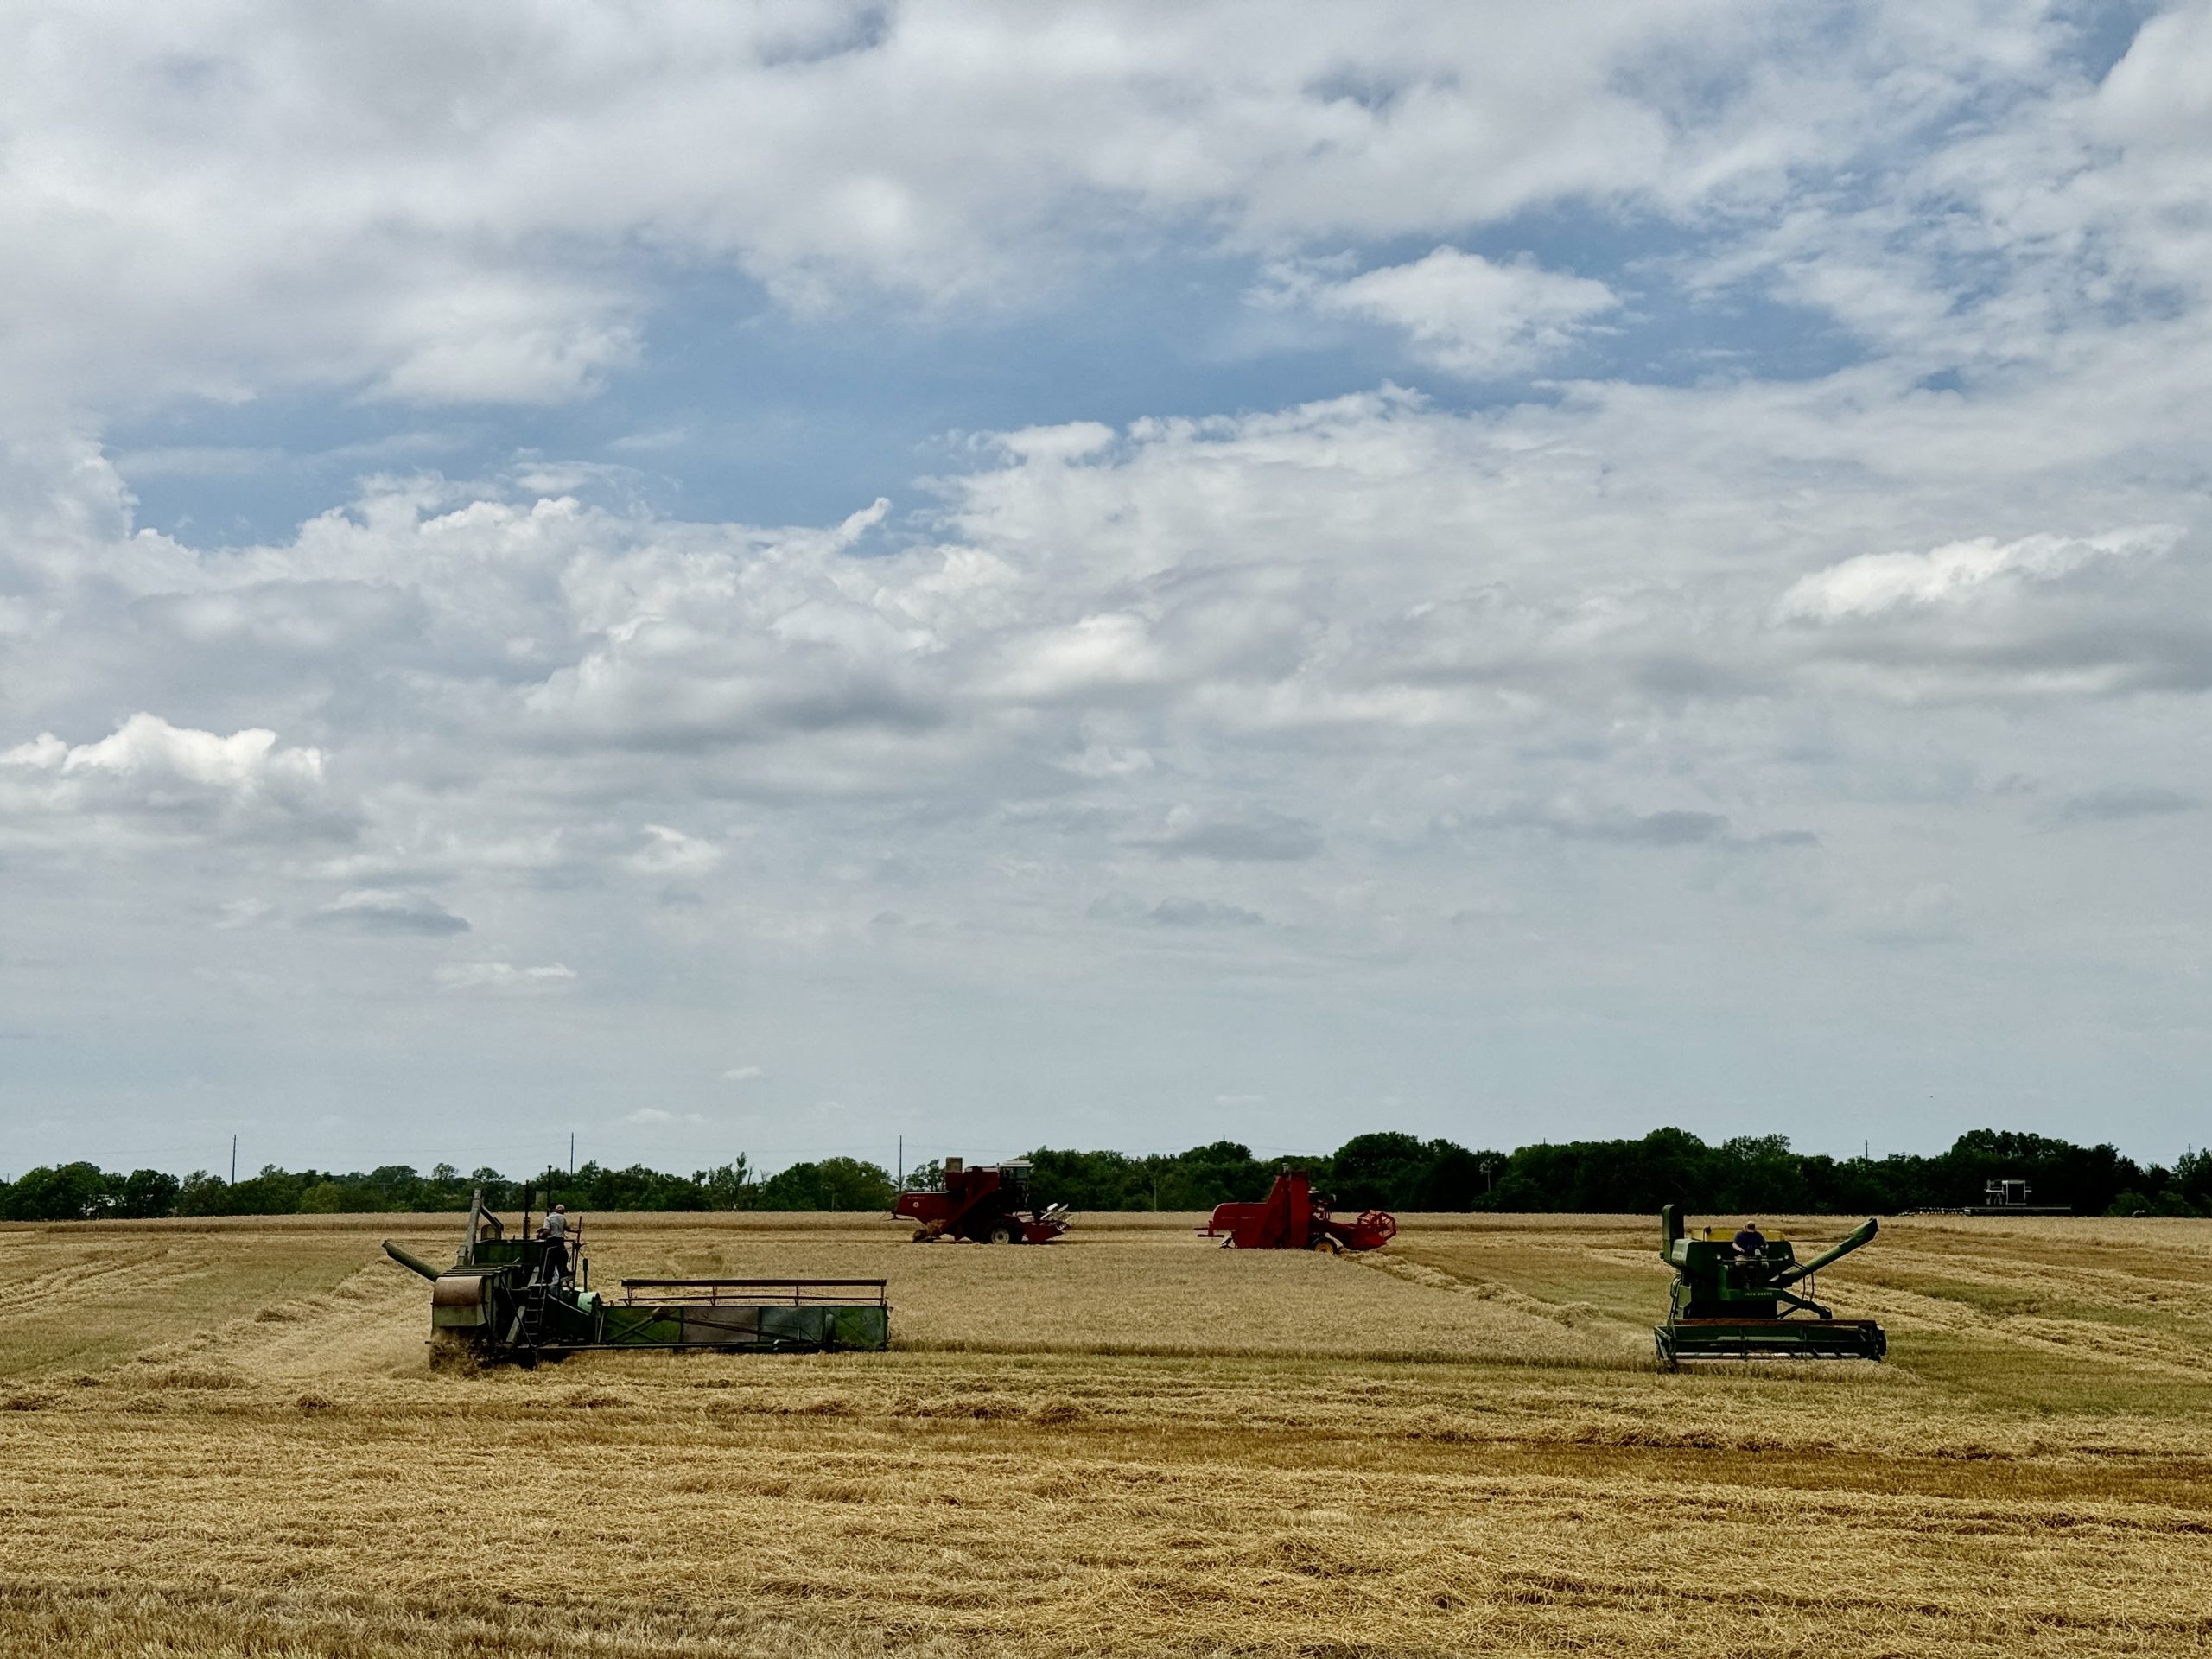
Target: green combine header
point(530, 1296)
point(1734, 1302)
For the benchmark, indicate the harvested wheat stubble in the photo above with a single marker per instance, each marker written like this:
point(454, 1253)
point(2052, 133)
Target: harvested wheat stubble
point(1127, 1443)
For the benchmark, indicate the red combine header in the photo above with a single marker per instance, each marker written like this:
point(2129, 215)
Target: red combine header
point(984, 1203)
point(1293, 1217)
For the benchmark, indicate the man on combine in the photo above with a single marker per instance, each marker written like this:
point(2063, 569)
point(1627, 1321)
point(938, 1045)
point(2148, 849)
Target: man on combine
point(1750, 1243)
point(556, 1231)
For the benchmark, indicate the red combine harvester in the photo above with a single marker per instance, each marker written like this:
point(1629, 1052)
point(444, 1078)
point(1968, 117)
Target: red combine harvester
point(1293, 1217)
point(984, 1203)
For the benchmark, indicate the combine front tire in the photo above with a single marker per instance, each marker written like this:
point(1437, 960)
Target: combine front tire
point(1325, 1245)
point(1004, 1232)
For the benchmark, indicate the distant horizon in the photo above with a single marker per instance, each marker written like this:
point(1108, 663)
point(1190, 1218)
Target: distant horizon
point(915, 1161)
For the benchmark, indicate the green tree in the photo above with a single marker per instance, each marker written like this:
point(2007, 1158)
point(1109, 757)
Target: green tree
point(1752, 1173)
point(731, 1186)
point(1378, 1172)
point(201, 1194)
point(1219, 1173)
point(1096, 1181)
point(634, 1188)
point(147, 1193)
point(2193, 1181)
point(498, 1192)
point(1456, 1178)
point(63, 1193)
point(832, 1184)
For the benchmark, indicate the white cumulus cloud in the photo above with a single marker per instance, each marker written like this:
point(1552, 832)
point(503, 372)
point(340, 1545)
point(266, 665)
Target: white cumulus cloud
point(1469, 315)
point(150, 777)
point(148, 747)
point(1874, 582)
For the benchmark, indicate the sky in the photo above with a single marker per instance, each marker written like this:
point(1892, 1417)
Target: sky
point(784, 578)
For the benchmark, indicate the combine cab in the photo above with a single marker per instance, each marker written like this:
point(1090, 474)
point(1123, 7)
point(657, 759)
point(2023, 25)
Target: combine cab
point(528, 1297)
point(1293, 1217)
point(1727, 1305)
point(985, 1204)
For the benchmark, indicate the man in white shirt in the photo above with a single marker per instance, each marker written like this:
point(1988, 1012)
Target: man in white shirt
point(556, 1231)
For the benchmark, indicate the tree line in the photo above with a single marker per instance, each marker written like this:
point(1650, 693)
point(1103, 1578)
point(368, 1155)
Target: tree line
point(1747, 1175)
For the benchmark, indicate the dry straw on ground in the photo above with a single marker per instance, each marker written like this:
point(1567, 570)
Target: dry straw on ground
point(225, 1439)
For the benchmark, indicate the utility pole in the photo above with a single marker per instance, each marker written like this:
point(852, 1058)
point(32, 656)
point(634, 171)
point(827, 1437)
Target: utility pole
point(234, 1161)
point(899, 1175)
point(572, 1151)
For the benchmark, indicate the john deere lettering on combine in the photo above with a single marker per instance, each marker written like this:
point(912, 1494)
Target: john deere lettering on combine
point(1740, 1293)
point(528, 1297)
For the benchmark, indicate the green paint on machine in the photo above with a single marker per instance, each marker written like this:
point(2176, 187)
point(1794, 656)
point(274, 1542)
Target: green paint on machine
point(528, 1297)
point(1744, 1295)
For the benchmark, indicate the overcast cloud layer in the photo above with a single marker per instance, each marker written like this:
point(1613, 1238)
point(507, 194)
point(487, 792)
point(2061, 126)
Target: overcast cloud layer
point(769, 577)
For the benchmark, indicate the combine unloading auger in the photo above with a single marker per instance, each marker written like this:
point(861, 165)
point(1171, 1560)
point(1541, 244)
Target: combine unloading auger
point(1730, 1303)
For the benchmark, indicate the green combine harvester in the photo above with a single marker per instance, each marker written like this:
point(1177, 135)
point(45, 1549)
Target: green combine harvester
point(1729, 1303)
point(528, 1297)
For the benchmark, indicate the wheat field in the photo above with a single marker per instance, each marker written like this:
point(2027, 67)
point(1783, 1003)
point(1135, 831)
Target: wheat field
point(224, 1438)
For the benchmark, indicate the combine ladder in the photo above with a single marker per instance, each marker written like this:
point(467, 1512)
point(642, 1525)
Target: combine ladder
point(528, 1331)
